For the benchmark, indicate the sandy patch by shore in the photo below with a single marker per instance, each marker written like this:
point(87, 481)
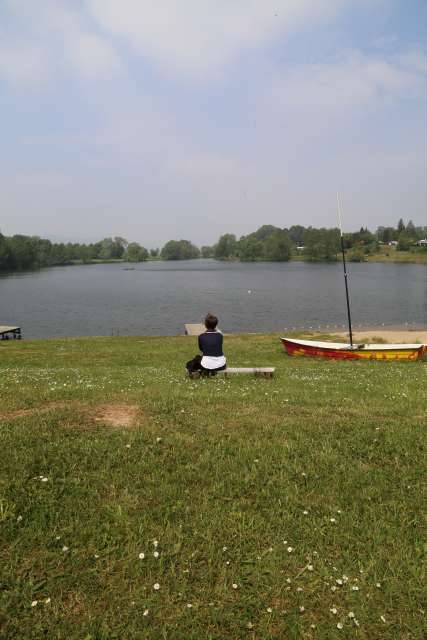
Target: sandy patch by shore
point(390, 336)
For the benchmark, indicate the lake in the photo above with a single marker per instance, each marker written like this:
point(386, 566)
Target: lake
point(158, 298)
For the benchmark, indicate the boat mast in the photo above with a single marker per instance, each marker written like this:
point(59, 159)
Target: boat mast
point(345, 271)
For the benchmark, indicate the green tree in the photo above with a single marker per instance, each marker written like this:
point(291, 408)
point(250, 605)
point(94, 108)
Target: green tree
point(5, 254)
point(277, 247)
point(207, 252)
point(180, 250)
point(321, 244)
point(265, 232)
point(226, 247)
point(296, 234)
point(250, 248)
point(136, 253)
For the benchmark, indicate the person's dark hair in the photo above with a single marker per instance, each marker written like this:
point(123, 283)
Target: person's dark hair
point(210, 322)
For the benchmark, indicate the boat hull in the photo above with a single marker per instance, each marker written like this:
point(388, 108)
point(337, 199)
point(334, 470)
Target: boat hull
point(339, 351)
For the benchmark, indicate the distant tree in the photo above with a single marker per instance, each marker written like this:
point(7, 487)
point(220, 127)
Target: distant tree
point(180, 250)
point(226, 247)
point(400, 226)
point(23, 252)
point(356, 255)
point(296, 234)
point(265, 232)
point(207, 252)
point(112, 249)
point(136, 253)
point(277, 247)
point(250, 248)
point(5, 254)
point(321, 244)
point(386, 234)
point(405, 241)
point(154, 253)
point(411, 230)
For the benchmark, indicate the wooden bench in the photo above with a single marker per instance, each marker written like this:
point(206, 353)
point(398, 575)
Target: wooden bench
point(264, 372)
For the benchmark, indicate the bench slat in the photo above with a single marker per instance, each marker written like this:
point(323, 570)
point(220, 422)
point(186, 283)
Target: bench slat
point(266, 372)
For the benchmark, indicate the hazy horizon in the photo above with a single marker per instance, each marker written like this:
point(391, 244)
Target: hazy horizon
point(193, 119)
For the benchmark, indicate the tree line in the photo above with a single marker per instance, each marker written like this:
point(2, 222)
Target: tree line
point(20, 252)
point(268, 243)
point(274, 244)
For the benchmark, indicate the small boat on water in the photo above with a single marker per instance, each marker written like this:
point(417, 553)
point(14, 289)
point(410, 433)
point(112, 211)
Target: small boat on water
point(345, 351)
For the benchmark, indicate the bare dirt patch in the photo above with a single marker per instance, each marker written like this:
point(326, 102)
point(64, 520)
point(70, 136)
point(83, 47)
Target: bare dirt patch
point(116, 415)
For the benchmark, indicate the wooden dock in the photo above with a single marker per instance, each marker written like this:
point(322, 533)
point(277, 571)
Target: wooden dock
point(10, 332)
point(194, 329)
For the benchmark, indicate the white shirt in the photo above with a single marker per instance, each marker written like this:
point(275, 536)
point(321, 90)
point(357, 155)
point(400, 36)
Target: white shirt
point(212, 362)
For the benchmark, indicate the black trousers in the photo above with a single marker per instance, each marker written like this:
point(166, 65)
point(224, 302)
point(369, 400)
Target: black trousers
point(196, 365)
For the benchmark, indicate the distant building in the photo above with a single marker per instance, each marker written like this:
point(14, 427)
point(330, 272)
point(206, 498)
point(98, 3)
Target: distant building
point(392, 243)
point(422, 243)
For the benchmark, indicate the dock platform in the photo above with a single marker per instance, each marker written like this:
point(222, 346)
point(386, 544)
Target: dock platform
point(10, 332)
point(194, 329)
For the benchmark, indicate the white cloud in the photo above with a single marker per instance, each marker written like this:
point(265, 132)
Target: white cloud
point(50, 36)
point(200, 36)
point(353, 81)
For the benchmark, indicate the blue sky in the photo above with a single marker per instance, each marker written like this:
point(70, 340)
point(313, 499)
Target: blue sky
point(191, 118)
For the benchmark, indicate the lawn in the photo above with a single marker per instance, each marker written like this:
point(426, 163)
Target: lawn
point(390, 254)
point(136, 503)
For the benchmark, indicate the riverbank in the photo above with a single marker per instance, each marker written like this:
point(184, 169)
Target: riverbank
point(138, 503)
point(392, 255)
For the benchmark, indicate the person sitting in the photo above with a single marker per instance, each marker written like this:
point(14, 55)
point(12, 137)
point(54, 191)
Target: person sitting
point(210, 344)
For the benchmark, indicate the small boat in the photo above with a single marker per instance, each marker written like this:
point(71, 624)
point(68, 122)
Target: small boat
point(345, 351)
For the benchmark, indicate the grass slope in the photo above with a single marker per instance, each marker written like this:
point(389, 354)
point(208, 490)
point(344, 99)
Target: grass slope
point(279, 508)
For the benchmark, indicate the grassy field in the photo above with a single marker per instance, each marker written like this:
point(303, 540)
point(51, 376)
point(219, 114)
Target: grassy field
point(390, 254)
point(136, 503)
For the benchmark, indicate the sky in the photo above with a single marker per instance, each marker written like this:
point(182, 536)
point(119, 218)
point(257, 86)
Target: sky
point(193, 118)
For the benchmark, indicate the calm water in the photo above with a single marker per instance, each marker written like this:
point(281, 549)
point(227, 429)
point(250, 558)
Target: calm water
point(159, 298)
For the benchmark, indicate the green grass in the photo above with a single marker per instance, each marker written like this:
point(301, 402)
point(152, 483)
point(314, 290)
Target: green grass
point(327, 459)
point(390, 254)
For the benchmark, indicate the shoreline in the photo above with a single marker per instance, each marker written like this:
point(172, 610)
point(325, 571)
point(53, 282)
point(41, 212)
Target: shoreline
point(391, 334)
